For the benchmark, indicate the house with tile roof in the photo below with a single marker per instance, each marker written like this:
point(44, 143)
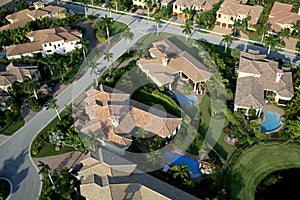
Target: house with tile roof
point(167, 61)
point(8, 4)
point(257, 76)
point(281, 17)
point(16, 72)
point(115, 118)
point(197, 5)
point(35, 12)
point(232, 10)
point(141, 3)
point(111, 177)
point(60, 40)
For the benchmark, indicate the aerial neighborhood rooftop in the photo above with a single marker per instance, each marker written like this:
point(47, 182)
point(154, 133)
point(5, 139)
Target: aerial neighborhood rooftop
point(149, 99)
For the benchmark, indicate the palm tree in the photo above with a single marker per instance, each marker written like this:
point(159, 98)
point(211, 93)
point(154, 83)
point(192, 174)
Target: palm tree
point(84, 45)
point(93, 67)
point(238, 24)
point(116, 4)
point(44, 170)
point(217, 105)
point(128, 35)
point(187, 28)
point(262, 30)
point(91, 141)
point(271, 42)
point(182, 171)
point(77, 108)
point(55, 106)
point(109, 6)
point(108, 56)
point(84, 3)
point(227, 39)
point(148, 4)
point(30, 84)
point(157, 20)
point(106, 22)
point(285, 33)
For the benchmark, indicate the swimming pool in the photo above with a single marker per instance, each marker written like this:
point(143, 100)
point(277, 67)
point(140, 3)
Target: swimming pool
point(177, 159)
point(186, 100)
point(271, 123)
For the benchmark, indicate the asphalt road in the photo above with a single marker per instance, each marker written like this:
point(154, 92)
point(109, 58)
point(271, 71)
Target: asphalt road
point(15, 161)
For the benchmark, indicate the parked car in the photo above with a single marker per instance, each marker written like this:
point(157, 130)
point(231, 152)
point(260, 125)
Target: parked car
point(47, 105)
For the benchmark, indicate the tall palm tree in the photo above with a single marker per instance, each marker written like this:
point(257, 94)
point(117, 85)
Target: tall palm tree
point(91, 141)
point(55, 106)
point(44, 170)
point(84, 45)
point(238, 24)
point(106, 22)
point(187, 28)
point(84, 3)
point(128, 35)
point(285, 33)
point(109, 5)
point(227, 39)
point(116, 4)
point(182, 171)
point(109, 57)
point(271, 42)
point(157, 20)
point(94, 67)
point(262, 30)
point(148, 5)
point(31, 85)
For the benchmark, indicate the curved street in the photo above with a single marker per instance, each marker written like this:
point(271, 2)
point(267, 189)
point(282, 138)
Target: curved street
point(15, 160)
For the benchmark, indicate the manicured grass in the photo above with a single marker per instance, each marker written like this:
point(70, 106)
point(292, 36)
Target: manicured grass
point(11, 128)
point(256, 163)
point(117, 29)
point(49, 150)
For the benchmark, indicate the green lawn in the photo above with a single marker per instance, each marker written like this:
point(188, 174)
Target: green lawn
point(11, 128)
point(48, 149)
point(256, 163)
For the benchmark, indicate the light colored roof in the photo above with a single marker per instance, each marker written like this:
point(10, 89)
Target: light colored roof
point(106, 104)
point(178, 61)
point(282, 14)
point(15, 72)
point(120, 185)
point(21, 49)
point(250, 90)
point(232, 8)
point(206, 4)
point(15, 25)
point(4, 2)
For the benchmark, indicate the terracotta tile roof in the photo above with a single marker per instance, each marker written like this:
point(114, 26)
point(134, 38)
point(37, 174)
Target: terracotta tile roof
point(178, 61)
point(233, 8)
point(250, 90)
point(7, 79)
point(51, 9)
point(282, 14)
point(103, 107)
point(207, 4)
point(21, 49)
point(37, 13)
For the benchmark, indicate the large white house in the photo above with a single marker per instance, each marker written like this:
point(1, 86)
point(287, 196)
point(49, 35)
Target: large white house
point(60, 40)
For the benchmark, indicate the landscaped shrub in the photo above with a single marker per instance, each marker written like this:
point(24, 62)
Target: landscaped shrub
point(35, 105)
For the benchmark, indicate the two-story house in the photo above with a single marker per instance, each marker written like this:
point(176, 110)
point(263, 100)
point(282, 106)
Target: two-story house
point(281, 17)
point(141, 3)
point(47, 41)
point(37, 11)
point(258, 76)
point(198, 5)
point(232, 10)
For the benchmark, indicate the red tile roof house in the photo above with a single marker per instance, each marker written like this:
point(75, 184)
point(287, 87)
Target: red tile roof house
point(168, 60)
point(258, 75)
point(281, 17)
point(47, 41)
point(115, 118)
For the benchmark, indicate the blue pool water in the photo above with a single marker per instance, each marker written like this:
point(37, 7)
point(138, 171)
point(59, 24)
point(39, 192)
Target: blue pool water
point(177, 159)
point(271, 123)
point(3, 54)
point(186, 100)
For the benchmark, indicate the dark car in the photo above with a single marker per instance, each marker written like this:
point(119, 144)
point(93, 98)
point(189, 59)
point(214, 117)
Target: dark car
point(47, 105)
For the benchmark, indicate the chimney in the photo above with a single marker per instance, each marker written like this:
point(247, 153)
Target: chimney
point(165, 61)
point(38, 5)
point(278, 75)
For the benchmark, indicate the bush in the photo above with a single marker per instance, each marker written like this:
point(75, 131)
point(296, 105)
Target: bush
point(35, 105)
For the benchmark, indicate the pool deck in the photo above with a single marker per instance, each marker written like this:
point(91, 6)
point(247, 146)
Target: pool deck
point(269, 108)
